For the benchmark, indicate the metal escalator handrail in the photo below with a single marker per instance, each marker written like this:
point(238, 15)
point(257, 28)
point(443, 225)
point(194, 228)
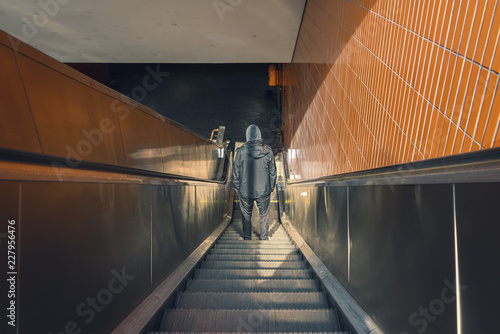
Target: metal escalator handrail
point(37, 159)
point(479, 166)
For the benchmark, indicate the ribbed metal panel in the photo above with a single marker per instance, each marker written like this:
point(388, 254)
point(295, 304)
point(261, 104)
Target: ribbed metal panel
point(251, 273)
point(252, 285)
point(244, 321)
point(254, 251)
point(253, 265)
point(249, 245)
point(252, 300)
point(250, 332)
point(255, 242)
point(257, 257)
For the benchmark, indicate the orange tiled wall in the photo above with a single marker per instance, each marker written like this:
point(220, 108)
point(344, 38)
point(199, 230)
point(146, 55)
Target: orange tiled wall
point(377, 83)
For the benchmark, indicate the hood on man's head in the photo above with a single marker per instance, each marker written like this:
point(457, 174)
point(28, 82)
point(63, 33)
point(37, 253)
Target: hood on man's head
point(253, 133)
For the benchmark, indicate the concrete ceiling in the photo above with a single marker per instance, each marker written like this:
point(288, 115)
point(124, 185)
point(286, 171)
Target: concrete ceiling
point(157, 31)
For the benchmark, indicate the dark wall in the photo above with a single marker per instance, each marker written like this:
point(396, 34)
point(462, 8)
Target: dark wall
point(204, 96)
point(393, 247)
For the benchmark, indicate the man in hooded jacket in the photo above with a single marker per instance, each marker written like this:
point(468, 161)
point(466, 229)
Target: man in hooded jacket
point(254, 178)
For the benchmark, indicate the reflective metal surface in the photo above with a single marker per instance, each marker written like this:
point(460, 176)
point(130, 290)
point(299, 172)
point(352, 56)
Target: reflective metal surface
point(17, 130)
point(401, 254)
point(91, 252)
point(478, 229)
point(141, 141)
point(9, 210)
point(52, 109)
point(72, 120)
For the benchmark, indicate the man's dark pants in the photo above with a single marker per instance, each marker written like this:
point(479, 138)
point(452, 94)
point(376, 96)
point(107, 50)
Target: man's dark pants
point(246, 206)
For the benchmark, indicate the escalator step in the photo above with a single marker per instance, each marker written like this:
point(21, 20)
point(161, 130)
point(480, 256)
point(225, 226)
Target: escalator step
point(251, 300)
point(254, 251)
point(185, 320)
point(244, 245)
point(239, 234)
point(240, 230)
point(252, 285)
point(253, 265)
point(255, 242)
point(251, 273)
point(257, 257)
point(237, 238)
point(248, 332)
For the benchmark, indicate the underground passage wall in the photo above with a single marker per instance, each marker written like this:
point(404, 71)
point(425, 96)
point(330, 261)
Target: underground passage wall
point(377, 83)
point(405, 94)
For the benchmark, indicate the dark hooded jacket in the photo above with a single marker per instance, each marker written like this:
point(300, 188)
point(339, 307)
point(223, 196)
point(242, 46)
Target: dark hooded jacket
point(254, 169)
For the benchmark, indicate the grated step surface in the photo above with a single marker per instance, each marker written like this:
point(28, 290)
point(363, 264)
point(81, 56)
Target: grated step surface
point(255, 257)
point(252, 285)
point(255, 242)
point(248, 332)
point(253, 265)
point(251, 300)
point(249, 245)
point(185, 320)
point(254, 251)
point(251, 273)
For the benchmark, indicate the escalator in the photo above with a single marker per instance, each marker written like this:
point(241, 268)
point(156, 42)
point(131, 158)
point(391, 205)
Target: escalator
point(252, 286)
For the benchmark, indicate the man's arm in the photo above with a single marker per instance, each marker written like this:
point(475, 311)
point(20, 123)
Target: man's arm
point(272, 172)
point(236, 172)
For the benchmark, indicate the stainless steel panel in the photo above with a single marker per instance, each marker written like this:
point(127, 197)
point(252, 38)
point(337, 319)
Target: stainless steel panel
point(205, 212)
point(320, 214)
point(17, 130)
point(72, 119)
point(478, 229)
point(402, 257)
point(141, 141)
point(170, 229)
point(9, 210)
point(332, 230)
point(83, 244)
point(304, 212)
point(171, 147)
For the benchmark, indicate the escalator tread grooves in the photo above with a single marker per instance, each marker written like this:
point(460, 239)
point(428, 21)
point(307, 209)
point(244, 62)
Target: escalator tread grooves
point(270, 275)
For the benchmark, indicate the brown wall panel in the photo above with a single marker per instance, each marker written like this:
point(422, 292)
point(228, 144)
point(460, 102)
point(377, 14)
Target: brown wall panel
point(171, 144)
point(81, 120)
point(72, 119)
point(17, 130)
point(141, 141)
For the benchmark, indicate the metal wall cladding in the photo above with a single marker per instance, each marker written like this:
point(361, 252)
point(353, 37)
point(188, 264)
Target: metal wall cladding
point(52, 109)
point(9, 216)
point(171, 143)
point(89, 253)
point(403, 256)
point(141, 141)
point(73, 120)
point(400, 265)
point(478, 230)
point(170, 228)
point(17, 130)
point(85, 255)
